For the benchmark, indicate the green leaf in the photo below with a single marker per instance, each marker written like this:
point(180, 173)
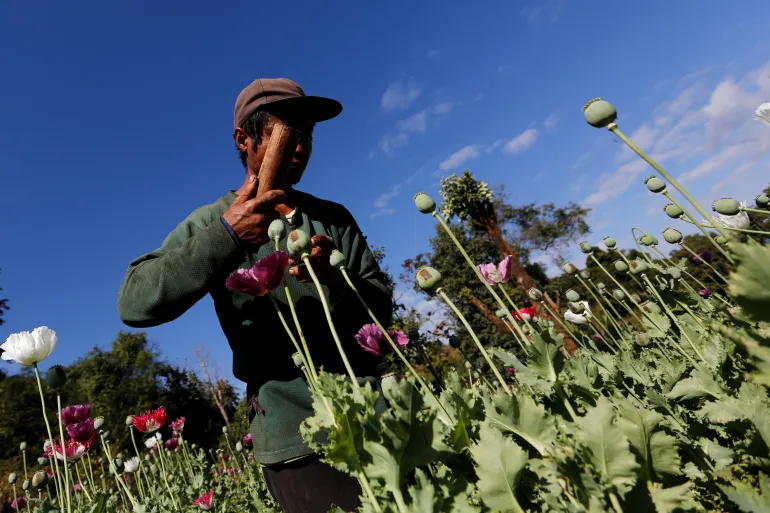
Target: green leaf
point(520, 415)
point(499, 462)
point(699, 384)
point(657, 450)
point(633, 369)
point(657, 325)
point(668, 500)
point(722, 456)
point(608, 448)
point(749, 282)
point(747, 498)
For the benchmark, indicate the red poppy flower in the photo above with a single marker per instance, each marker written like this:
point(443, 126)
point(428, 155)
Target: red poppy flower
point(150, 421)
point(263, 277)
point(527, 312)
point(206, 501)
point(72, 449)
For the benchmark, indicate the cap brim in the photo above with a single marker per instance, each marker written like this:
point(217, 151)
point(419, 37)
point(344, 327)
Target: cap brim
point(314, 108)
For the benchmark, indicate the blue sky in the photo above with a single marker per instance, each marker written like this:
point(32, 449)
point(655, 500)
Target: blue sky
point(116, 123)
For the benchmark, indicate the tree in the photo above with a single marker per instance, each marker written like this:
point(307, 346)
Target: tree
point(3, 307)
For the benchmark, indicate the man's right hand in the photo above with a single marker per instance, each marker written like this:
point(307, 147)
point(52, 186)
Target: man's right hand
point(249, 216)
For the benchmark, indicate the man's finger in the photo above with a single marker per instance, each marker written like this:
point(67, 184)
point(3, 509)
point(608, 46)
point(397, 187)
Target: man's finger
point(267, 201)
point(323, 241)
point(248, 189)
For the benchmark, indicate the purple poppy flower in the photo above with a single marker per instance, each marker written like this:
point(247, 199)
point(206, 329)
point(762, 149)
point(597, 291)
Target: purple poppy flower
point(82, 431)
point(75, 413)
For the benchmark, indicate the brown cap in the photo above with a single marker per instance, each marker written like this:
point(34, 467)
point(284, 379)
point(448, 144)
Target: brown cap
point(286, 94)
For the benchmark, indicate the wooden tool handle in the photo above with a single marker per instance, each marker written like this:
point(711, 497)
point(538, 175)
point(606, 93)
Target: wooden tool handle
point(278, 157)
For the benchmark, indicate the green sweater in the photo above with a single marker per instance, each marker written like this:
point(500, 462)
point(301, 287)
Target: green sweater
point(196, 258)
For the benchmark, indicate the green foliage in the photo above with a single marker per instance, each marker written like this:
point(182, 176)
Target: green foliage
point(3, 307)
point(750, 282)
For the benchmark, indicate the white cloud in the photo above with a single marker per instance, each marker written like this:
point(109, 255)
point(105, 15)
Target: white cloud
point(548, 11)
point(581, 161)
point(382, 200)
point(613, 185)
point(434, 54)
point(504, 68)
point(522, 142)
point(382, 212)
point(551, 121)
point(400, 95)
point(417, 123)
point(460, 157)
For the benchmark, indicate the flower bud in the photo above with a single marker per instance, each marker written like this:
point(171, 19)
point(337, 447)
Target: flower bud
point(577, 308)
point(618, 294)
point(570, 268)
point(641, 339)
point(585, 274)
point(600, 285)
point(721, 239)
point(726, 206)
point(655, 184)
point(26, 484)
point(130, 420)
point(586, 248)
point(276, 229)
point(674, 272)
point(468, 365)
point(298, 360)
point(572, 295)
point(673, 211)
point(599, 113)
point(610, 242)
point(299, 244)
point(646, 240)
point(98, 422)
point(621, 265)
point(428, 279)
point(455, 341)
point(649, 306)
point(337, 259)
point(12, 477)
point(40, 479)
point(238, 446)
point(23, 446)
point(672, 236)
point(704, 293)
point(224, 430)
point(638, 266)
point(56, 377)
point(535, 294)
point(424, 203)
point(762, 201)
point(636, 299)
point(501, 313)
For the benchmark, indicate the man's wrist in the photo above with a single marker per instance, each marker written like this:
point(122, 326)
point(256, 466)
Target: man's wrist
point(230, 230)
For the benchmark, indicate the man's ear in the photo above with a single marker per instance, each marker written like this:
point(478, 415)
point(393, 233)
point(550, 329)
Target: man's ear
point(242, 140)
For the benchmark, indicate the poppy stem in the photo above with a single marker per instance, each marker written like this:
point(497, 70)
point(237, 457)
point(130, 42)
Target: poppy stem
point(694, 254)
point(690, 219)
point(312, 380)
point(57, 475)
point(64, 454)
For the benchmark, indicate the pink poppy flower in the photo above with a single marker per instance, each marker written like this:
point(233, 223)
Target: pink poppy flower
point(511, 371)
point(263, 277)
point(150, 421)
point(78, 487)
point(373, 341)
point(82, 431)
point(74, 414)
point(705, 293)
point(247, 441)
point(527, 312)
point(499, 273)
point(72, 450)
point(171, 444)
point(178, 425)
point(206, 501)
point(19, 503)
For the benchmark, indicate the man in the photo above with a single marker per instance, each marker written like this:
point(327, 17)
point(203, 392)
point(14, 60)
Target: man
point(231, 233)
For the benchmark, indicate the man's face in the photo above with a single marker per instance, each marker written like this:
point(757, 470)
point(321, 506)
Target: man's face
point(256, 154)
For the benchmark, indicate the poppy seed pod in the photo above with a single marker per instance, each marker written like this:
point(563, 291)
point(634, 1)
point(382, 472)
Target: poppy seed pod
point(337, 259)
point(726, 206)
point(535, 294)
point(673, 211)
point(299, 244)
point(238, 446)
point(40, 479)
point(298, 361)
point(599, 113)
point(585, 274)
point(600, 285)
point(636, 299)
point(577, 308)
point(641, 339)
point(655, 184)
point(106, 433)
point(42, 461)
point(610, 242)
point(646, 240)
point(762, 201)
point(586, 247)
point(26, 484)
point(721, 239)
point(572, 295)
point(23, 446)
point(570, 268)
point(638, 266)
point(649, 306)
point(276, 229)
point(674, 272)
point(672, 236)
point(424, 203)
point(224, 430)
point(12, 477)
point(621, 265)
point(98, 422)
point(56, 377)
point(468, 365)
point(428, 279)
point(618, 294)
point(129, 420)
point(501, 313)
point(455, 341)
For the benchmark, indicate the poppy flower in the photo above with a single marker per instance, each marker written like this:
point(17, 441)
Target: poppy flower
point(206, 501)
point(178, 425)
point(527, 312)
point(19, 503)
point(28, 348)
point(248, 441)
point(150, 421)
point(75, 413)
point(578, 318)
point(171, 444)
point(373, 341)
point(82, 431)
point(71, 449)
point(495, 274)
point(131, 464)
point(263, 277)
point(705, 293)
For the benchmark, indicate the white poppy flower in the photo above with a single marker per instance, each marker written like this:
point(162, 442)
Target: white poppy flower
point(131, 465)
point(739, 221)
point(151, 442)
point(580, 318)
point(29, 348)
point(762, 113)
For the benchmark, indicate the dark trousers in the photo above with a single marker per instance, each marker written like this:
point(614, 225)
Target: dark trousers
point(309, 485)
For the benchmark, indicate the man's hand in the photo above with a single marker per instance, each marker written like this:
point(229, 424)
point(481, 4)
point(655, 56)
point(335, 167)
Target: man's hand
point(249, 216)
point(319, 259)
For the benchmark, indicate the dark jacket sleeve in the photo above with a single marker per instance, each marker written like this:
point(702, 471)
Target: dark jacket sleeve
point(162, 285)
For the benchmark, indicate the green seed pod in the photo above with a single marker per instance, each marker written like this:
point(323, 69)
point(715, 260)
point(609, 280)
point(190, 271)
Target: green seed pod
point(299, 244)
point(646, 240)
point(586, 247)
point(428, 279)
point(424, 203)
point(721, 239)
point(610, 242)
point(570, 268)
point(501, 313)
point(572, 295)
point(337, 259)
point(12, 477)
point(618, 294)
point(674, 272)
point(636, 299)
point(26, 484)
point(577, 308)
point(23, 446)
point(468, 365)
point(600, 285)
point(726, 206)
point(455, 341)
point(673, 211)
point(42, 461)
point(649, 306)
point(535, 294)
point(621, 265)
point(599, 113)
point(56, 377)
point(585, 274)
point(641, 339)
point(672, 236)
point(276, 229)
point(119, 466)
point(762, 201)
point(98, 422)
point(655, 184)
point(146, 457)
point(638, 266)
point(224, 430)
point(238, 446)
point(39, 479)
point(129, 420)
point(298, 360)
